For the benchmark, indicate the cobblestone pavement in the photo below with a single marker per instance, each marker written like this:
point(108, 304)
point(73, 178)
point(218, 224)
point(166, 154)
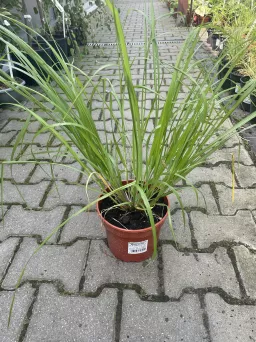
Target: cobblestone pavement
point(201, 289)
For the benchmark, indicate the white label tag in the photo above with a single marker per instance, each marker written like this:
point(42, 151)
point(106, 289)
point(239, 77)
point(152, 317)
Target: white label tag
point(217, 42)
point(221, 46)
point(137, 247)
point(247, 100)
point(58, 5)
point(237, 88)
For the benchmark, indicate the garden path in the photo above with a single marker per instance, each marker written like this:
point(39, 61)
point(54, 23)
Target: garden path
point(202, 289)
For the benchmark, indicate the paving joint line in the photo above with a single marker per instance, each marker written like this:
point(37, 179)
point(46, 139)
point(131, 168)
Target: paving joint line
point(82, 280)
point(205, 316)
point(11, 260)
point(229, 299)
point(118, 317)
point(28, 316)
point(233, 259)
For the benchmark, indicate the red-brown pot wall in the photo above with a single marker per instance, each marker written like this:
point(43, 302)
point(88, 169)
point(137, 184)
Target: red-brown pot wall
point(183, 6)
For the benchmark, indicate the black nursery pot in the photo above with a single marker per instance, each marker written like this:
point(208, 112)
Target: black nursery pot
point(209, 38)
point(227, 84)
point(60, 44)
point(235, 77)
point(246, 104)
point(44, 52)
point(253, 106)
point(10, 96)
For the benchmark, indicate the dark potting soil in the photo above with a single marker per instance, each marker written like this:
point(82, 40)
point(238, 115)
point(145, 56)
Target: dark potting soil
point(132, 220)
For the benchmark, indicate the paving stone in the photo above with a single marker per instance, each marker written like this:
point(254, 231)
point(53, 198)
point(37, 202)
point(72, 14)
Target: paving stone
point(218, 174)
point(246, 262)
point(112, 270)
point(2, 121)
point(188, 198)
point(69, 194)
point(32, 194)
point(23, 299)
point(68, 172)
point(15, 125)
point(21, 222)
point(52, 262)
point(161, 322)
point(182, 234)
point(246, 175)
point(6, 137)
point(244, 199)
point(225, 155)
point(6, 152)
point(34, 152)
point(209, 229)
point(42, 139)
point(198, 270)
point(7, 249)
point(72, 318)
point(18, 172)
point(86, 225)
point(230, 322)
point(13, 114)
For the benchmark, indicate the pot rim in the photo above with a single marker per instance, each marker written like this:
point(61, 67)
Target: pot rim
point(8, 90)
point(147, 229)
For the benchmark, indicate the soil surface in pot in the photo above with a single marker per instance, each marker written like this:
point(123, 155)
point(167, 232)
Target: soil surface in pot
point(131, 220)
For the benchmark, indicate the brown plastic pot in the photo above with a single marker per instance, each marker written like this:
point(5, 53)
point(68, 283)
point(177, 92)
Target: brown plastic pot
point(131, 245)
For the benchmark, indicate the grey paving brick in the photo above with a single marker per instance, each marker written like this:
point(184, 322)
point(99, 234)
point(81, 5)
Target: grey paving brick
point(21, 222)
point(86, 225)
point(32, 194)
point(230, 322)
point(188, 198)
point(246, 262)
point(14, 114)
point(52, 262)
point(69, 194)
point(244, 199)
point(6, 152)
point(68, 172)
point(2, 121)
point(112, 270)
point(218, 174)
point(24, 296)
point(7, 249)
point(170, 321)
point(6, 137)
point(246, 175)
point(72, 318)
point(42, 139)
point(225, 155)
point(15, 125)
point(34, 152)
point(182, 234)
point(198, 270)
point(209, 229)
point(18, 172)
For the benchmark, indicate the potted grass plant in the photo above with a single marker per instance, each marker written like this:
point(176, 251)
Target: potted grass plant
point(135, 170)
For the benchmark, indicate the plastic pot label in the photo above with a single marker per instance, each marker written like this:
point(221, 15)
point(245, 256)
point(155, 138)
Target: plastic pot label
point(217, 42)
point(237, 88)
point(137, 247)
point(221, 46)
point(247, 100)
